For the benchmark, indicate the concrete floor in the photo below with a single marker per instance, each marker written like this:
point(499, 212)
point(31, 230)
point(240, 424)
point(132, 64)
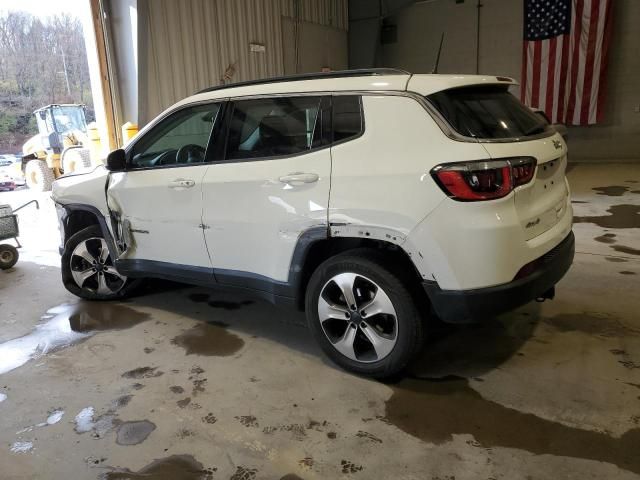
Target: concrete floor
point(149, 389)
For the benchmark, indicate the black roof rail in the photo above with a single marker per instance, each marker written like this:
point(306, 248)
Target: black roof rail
point(363, 72)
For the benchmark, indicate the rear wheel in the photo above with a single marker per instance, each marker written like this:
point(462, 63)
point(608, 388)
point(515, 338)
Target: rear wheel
point(8, 256)
point(88, 269)
point(39, 176)
point(362, 314)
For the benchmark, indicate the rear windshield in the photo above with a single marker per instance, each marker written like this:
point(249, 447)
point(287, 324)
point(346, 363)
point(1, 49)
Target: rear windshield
point(487, 112)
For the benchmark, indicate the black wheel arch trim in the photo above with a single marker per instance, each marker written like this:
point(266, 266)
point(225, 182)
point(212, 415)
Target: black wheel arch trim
point(69, 208)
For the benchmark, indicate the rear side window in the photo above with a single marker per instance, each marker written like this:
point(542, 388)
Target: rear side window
point(486, 112)
point(273, 127)
point(347, 117)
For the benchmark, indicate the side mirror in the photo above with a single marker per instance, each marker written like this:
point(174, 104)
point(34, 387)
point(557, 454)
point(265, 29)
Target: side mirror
point(116, 161)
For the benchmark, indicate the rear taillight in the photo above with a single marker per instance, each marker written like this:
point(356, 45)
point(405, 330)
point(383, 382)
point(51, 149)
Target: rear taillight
point(483, 180)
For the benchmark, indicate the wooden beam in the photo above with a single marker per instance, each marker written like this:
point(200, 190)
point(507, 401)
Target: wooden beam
point(97, 17)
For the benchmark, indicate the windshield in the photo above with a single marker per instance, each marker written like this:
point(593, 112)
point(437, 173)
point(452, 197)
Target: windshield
point(69, 118)
point(487, 112)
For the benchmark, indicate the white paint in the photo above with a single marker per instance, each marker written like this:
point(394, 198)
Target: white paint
point(54, 333)
point(55, 417)
point(21, 447)
point(3, 397)
point(84, 420)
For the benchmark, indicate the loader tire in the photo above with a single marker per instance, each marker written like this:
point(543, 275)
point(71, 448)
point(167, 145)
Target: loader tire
point(39, 176)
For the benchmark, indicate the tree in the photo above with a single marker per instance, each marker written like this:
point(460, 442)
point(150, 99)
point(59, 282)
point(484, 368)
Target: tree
point(41, 62)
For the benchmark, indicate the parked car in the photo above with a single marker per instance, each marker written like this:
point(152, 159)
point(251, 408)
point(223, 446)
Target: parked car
point(7, 183)
point(369, 199)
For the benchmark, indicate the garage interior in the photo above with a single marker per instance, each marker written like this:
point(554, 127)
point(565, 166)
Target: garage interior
point(182, 382)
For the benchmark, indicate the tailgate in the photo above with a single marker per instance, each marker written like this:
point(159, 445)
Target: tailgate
point(541, 203)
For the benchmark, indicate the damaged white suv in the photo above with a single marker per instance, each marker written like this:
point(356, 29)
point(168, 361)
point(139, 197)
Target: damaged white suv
point(369, 199)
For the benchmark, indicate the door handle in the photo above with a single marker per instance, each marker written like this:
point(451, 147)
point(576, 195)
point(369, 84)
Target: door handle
point(181, 183)
point(299, 178)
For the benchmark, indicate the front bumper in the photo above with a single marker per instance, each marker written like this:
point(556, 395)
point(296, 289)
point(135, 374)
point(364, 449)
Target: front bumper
point(465, 306)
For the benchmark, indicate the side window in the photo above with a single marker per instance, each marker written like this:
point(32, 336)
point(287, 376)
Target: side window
point(181, 138)
point(273, 127)
point(347, 117)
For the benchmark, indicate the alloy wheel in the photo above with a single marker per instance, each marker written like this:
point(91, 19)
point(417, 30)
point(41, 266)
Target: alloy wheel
point(92, 268)
point(358, 317)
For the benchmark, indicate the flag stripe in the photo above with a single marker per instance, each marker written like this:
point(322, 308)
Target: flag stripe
point(595, 81)
point(608, 28)
point(551, 84)
point(535, 81)
point(590, 60)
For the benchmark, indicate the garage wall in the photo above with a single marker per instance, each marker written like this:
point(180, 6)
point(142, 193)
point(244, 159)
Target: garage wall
point(190, 44)
point(420, 26)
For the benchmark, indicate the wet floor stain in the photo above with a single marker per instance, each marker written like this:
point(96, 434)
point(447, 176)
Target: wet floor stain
point(208, 340)
point(143, 372)
point(620, 216)
point(368, 436)
point(627, 272)
point(612, 191)
point(134, 432)
point(248, 420)
point(122, 401)
point(184, 402)
point(591, 323)
point(291, 476)
point(101, 316)
point(627, 250)
point(209, 418)
point(606, 238)
point(434, 411)
point(306, 462)
point(578, 201)
point(244, 473)
point(625, 359)
point(615, 259)
point(65, 325)
point(175, 467)
point(176, 389)
point(349, 467)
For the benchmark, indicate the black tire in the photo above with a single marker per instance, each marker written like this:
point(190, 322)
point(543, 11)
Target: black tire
point(8, 256)
point(89, 290)
point(409, 324)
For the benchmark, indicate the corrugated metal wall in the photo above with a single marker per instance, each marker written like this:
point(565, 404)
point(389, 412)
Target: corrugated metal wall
point(188, 45)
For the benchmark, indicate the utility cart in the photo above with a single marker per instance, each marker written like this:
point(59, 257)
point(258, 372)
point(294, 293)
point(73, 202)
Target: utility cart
point(9, 229)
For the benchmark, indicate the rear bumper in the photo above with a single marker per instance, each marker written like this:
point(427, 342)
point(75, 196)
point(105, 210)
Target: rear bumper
point(464, 306)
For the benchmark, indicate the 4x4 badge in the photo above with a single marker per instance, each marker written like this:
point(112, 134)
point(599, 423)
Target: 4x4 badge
point(557, 144)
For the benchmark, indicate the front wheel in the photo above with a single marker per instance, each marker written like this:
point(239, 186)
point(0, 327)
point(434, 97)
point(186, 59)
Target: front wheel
point(88, 269)
point(363, 316)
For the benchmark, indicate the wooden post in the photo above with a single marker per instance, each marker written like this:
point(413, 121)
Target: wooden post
point(106, 78)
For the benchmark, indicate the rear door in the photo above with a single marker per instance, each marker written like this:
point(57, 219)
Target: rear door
point(271, 187)
point(508, 129)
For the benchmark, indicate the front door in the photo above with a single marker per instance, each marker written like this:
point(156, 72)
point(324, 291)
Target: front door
point(160, 193)
point(271, 187)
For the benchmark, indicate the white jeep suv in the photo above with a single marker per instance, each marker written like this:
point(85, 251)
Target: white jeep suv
point(369, 199)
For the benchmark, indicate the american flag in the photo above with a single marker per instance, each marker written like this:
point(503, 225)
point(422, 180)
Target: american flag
point(564, 58)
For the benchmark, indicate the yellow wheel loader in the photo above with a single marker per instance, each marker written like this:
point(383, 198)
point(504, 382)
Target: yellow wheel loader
point(64, 144)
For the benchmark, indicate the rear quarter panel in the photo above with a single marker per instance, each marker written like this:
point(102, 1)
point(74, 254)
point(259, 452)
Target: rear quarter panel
point(381, 180)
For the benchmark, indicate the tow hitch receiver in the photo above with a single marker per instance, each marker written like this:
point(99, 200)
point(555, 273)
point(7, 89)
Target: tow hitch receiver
point(548, 295)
